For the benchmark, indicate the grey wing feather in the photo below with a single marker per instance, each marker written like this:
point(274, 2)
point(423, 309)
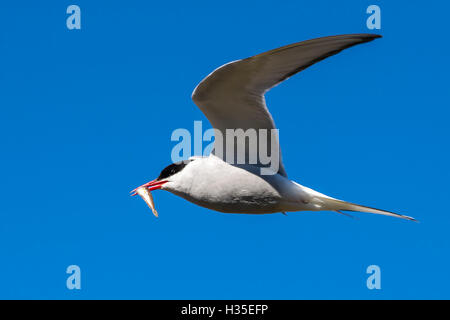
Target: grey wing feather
point(232, 96)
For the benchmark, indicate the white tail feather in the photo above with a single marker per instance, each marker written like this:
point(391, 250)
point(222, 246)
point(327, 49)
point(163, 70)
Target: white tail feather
point(335, 204)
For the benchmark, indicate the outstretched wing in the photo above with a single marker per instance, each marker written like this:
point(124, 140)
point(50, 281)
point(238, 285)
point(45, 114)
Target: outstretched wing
point(232, 96)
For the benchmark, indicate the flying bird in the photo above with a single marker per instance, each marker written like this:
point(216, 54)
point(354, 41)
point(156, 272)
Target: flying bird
point(232, 97)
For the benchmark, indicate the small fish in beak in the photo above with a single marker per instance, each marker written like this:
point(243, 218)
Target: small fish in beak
point(148, 198)
point(144, 192)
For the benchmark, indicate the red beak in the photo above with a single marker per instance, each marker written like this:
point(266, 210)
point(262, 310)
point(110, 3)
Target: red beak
point(152, 185)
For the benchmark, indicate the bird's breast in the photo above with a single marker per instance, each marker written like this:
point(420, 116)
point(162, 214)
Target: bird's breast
point(230, 189)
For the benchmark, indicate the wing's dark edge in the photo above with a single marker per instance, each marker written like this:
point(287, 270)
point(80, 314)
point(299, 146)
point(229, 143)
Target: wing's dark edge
point(326, 56)
point(248, 79)
point(364, 37)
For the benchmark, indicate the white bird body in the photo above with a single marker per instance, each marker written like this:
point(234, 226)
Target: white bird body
point(232, 97)
point(215, 184)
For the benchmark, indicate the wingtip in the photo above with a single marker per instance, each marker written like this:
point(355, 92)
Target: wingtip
point(370, 37)
point(376, 36)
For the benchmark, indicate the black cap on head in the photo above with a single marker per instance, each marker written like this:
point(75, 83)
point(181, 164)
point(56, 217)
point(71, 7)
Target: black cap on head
point(170, 170)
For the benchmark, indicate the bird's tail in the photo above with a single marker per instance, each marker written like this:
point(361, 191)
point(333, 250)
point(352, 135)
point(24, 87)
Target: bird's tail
point(332, 204)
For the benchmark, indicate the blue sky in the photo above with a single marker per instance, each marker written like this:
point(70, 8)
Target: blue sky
point(86, 115)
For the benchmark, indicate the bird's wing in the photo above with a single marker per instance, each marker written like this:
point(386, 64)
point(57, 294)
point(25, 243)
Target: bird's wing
point(232, 96)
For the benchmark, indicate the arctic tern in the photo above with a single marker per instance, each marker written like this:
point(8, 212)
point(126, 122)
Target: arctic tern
point(232, 97)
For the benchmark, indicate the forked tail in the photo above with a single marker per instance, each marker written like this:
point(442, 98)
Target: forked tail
point(337, 205)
